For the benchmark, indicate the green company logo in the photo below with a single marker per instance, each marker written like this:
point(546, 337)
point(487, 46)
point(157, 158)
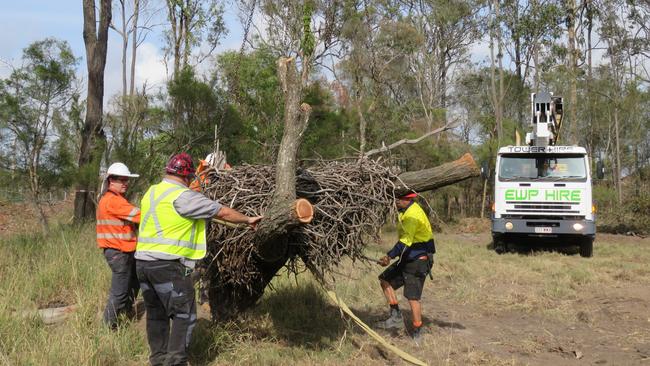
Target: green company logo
point(571, 195)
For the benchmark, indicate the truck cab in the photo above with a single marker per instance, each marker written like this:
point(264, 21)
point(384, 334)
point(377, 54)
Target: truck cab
point(543, 195)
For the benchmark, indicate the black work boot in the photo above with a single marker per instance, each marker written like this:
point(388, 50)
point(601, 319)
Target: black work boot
point(395, 321)
point(417, 335)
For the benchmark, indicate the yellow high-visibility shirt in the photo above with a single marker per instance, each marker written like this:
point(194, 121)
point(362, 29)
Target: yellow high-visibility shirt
point(413, 226)
point(163, 230)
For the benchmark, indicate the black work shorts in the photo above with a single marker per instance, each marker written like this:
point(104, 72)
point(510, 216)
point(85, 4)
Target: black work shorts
point(411, 275)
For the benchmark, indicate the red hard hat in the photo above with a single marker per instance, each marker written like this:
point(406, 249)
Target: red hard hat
point(409, 195)
point(181, 165)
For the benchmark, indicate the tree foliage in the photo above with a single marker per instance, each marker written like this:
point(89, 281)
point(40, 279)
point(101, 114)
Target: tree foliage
point(34, 102)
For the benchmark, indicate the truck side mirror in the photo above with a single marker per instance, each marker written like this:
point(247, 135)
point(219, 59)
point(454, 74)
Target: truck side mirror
point(485, 170)
point(600, 169)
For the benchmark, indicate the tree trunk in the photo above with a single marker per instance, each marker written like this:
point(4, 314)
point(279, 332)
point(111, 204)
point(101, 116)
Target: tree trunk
point(516, 39)
point(279, 217)
point(125, 47)
point(590, 118)
point(362, 129)
point(619, 187)
point(35, 194)
point(495, 95)
point(228, 300)
point(535, 56)
point(443, 89)
point(92, 135)
point(362, 119)
point(501, 95)
point(573, 70)
point(485, 183)
point(134, 45)
point(590, 20)
point(283, 213)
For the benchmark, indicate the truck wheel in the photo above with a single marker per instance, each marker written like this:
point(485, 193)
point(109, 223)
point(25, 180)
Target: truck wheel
point(587, 248)
point(500, 247)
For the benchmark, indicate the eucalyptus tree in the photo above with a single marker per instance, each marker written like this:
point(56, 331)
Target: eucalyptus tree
point(377, 42)
point(531, 26)
point(448, 29)
point(34, 101)
point(128, 120)
point(615, 36)
point(195, 30)
point(400, 61)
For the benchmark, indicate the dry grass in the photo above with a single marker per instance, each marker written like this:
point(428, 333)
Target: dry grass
point(544, 282)
point(294, 324)
point(60, 269)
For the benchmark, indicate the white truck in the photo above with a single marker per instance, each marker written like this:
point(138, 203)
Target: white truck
point(542, 191)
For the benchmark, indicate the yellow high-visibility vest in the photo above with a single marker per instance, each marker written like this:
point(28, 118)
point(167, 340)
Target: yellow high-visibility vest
point(163, 230)
point(413, 226)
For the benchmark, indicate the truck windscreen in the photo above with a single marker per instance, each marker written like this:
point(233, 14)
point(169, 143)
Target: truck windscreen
point(544, 167)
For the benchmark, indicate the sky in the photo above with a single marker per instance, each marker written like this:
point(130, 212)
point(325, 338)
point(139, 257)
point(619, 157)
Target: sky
point(25, 21)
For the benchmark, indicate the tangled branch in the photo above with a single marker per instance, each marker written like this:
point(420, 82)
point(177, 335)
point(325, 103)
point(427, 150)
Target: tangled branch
point(351, 200)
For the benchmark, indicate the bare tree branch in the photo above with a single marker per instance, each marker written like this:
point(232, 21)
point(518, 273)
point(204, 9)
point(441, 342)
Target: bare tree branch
point(444, 128)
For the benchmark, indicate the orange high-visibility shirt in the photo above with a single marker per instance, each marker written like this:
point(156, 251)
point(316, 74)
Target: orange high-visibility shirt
point(116, 219)
point(200, 176)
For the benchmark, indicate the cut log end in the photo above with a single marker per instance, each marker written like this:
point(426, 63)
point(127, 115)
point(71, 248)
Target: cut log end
point(271, 235)
point(468, 159)
point(303, 211)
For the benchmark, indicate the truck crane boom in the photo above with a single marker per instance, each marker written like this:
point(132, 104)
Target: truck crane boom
point(546, 119)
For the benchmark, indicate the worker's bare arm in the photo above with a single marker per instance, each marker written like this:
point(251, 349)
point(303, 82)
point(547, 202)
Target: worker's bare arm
point(234, 216)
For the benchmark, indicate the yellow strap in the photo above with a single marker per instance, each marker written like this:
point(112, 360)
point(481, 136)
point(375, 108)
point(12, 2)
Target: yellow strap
point(405, 356)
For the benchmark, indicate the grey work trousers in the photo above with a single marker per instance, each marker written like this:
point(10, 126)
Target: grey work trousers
point(168, 292)
point(124, 285)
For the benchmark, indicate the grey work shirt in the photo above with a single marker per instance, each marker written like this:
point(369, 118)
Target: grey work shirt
point(191, 205)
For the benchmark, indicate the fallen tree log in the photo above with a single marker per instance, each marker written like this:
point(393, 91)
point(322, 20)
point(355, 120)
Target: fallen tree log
point(440, 176)
point(351, 202)
point(51, 316)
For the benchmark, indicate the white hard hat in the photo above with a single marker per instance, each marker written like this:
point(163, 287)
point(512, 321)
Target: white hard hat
point(116, 169)
point(210, 159)
point(120, 170)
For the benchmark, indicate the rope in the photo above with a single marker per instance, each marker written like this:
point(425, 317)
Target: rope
point(405, 356)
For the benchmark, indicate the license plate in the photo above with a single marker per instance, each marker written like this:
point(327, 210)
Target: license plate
point(543, 230)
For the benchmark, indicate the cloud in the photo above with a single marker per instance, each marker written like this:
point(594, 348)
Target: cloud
point(150, 66)
point(479, 52)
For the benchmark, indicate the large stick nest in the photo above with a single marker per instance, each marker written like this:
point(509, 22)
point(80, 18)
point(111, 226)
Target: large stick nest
point(351, 203)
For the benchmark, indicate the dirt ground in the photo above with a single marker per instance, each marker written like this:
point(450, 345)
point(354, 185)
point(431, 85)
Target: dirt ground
point(22, 217)
point(604, 325)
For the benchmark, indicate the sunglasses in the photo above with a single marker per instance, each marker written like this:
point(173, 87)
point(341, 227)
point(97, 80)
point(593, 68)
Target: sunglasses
point(119, 179)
